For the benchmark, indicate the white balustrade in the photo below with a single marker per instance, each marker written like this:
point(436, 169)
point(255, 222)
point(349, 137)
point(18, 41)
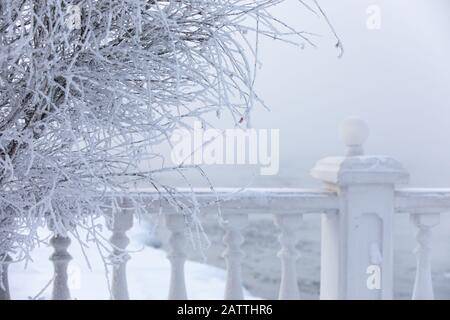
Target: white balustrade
point(289, 225)
point(233, 225)
point(60, 259)
point(176, 224)
point(119, 223)
point(357, 206)
point(423, 285)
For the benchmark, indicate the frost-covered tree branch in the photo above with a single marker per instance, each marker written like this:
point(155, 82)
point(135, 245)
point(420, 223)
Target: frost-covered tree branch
point(81, 108)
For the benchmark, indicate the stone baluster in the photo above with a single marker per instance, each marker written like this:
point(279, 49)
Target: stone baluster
point(60, 259)
point(120, 222)
point(176, 225)
point(423, 285)
point(289, 226)
point(233, 239)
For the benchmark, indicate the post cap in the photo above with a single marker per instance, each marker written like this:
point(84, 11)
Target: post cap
point(356, 168)
point(354, 132)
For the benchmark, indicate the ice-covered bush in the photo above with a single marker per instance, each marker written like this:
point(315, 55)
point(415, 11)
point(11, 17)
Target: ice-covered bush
point(88, 88)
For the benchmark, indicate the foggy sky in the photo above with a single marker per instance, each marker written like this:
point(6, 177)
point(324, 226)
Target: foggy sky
point(397, 78)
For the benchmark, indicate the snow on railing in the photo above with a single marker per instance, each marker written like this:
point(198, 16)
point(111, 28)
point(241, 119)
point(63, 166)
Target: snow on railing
point(357, 206)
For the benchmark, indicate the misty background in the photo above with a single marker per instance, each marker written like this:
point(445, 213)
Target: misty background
point(397, 78)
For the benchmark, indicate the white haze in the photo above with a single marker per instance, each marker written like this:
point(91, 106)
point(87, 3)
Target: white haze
point(396, 78)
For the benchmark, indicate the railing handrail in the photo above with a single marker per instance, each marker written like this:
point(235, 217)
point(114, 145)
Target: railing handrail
point(297, 200)
point(422, 200)
point(256, 200)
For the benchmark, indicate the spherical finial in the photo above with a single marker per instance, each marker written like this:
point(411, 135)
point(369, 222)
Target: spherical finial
point(354, 132)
